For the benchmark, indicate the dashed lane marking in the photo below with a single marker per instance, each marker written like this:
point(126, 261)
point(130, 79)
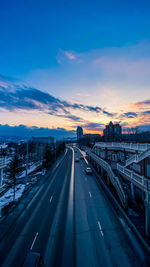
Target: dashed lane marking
point(100, 228)
point(34, 241)
point(90, 194)
point(51, 199)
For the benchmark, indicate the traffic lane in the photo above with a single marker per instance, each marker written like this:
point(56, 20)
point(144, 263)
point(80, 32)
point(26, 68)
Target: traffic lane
point(43, 207)
point(45, 225)
point(109, 224)
point(116, 237)
point(107, 234)
point(61, 203)
point(61, 188)
point(55, 243)
point(88, 254)
point(85, 248)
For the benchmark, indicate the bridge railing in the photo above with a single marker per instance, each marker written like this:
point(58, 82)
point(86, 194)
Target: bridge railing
point(143, 155)
point(136, 158)
point(138, 146)
point(131, 160)
point(140, 181)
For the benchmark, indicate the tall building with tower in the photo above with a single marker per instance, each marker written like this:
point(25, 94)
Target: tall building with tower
point(79, 132)
point(112, 132)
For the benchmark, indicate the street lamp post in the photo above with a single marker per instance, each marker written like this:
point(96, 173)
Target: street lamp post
point(27, 160)
point(55, 148)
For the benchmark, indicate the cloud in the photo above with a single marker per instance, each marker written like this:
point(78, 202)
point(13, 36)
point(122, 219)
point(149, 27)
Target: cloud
point(141, 104)
point(88, 108)
point(93, 126)
point(107, 77)
point(28, 98)
point(129, 115)
point(18, 96)
point(71, 117)
point(147, 112)
point(24, 131)
point(98, 60)
point(67, 56)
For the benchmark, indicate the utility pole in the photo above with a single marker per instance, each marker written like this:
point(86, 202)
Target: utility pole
point(27, 160)
point(55, 148)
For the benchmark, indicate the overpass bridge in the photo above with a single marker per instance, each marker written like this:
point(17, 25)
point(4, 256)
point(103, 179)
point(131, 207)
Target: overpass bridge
point(140, 151)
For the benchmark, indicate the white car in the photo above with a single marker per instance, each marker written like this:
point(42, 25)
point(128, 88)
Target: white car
point(88, 170)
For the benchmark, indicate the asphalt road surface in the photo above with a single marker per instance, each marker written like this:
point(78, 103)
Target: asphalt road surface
point(32, 230)
point(100, 238)
point(70, 222)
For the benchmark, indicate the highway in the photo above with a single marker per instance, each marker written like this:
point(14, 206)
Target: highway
point(70, 222)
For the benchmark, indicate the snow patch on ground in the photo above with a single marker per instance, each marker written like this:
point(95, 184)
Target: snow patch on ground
point(8, 196)
point(31, 169)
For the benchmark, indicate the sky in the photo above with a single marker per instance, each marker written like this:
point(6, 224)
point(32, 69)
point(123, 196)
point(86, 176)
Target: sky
point(70, 63)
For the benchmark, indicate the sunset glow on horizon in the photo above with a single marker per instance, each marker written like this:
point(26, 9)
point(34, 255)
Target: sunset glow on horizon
point(78, 68)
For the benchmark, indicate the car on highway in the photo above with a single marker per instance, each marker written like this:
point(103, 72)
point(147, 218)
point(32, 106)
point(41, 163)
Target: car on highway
point(81, 157)
point(77, 160)
point(33, 259)
point(88, 171)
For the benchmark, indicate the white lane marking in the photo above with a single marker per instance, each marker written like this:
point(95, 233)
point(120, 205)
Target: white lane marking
point(86, 161)
point(83, 155)
point(66, 152)
point(100, 228)
point(72, 170)
point(51, 199)
point(34, 240)
point(90, 194)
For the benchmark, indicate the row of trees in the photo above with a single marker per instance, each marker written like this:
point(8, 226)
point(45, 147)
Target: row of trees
point(50, 155)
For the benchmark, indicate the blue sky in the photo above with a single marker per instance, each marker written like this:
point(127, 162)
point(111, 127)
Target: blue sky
point(70, 49)
point(32, 32)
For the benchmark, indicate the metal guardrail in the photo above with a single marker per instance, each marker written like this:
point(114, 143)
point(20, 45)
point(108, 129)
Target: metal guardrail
point(136, 158)
point(114, 179)
point(144, 150)
point(140, 181)
point(137, 146)
point(131, 160)
point(143, 155)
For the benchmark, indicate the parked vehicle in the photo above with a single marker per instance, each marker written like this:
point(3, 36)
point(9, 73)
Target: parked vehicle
point(88, 171)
